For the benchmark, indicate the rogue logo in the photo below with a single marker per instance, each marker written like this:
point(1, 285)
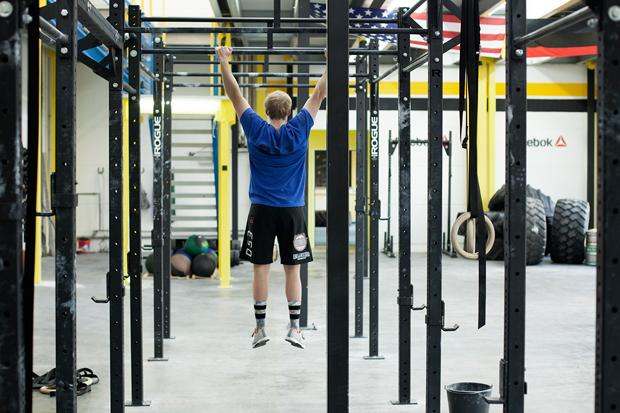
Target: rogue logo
point(374, 137)
point(157, 136)
point(560, 142)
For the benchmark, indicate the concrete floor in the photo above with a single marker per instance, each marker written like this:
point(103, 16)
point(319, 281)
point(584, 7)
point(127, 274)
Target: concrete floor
point(213, 369)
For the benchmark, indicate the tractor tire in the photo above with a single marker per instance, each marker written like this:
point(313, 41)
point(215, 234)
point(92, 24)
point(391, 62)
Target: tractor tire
point(570, 224)
point(536, 231)
point(496, 203)
point(497, 252)
point(549, 234)
point(497, 218)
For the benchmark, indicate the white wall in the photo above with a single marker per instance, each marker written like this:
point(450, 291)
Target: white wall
point(92, 155)
point(559, 171)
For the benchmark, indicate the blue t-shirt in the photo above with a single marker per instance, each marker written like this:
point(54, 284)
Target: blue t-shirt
point(277, 159)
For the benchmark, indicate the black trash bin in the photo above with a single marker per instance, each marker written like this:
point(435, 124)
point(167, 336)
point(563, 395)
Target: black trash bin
point(468, 397)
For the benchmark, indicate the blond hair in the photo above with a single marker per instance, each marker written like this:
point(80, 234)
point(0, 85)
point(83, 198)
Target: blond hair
point(278, 105)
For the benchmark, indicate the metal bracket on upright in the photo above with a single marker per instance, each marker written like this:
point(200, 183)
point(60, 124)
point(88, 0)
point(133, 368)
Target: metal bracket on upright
point(443, 321)
point(408, 301)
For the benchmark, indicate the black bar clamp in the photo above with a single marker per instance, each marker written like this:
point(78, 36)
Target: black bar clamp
point(407, 300)
point(107, 287)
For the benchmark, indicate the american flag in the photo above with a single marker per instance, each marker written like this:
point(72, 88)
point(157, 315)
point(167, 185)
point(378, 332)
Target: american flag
point(493, 29)
point(318, 10)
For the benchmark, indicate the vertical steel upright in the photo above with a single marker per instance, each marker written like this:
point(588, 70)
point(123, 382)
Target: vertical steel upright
point(513, 364)
point(374, 208)
point(361, 222)
point(607, 398)
point(434, 315)
point(338, 207)
point(303, 10)
point(64, 202)
point(158, 193)
point(591, 158)
point(405, 288)
point(116, 254)
point(12, 346)
point(167, 172)
point(32, 182)
point(134, 258)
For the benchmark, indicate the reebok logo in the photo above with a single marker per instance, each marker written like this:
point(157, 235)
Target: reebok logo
point(157, 136)
point(560, 142)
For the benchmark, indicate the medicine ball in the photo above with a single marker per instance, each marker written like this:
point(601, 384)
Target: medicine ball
point(148, 264)
point(235, 258)
point(212, 244)
point(203, 265)
point(214, 253)
point(180, 264)
point(195, 245)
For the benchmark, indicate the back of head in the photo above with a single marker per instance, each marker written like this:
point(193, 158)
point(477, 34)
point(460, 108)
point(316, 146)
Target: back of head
point(278, 105)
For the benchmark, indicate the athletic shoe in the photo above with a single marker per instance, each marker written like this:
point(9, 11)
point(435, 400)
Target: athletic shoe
point(295, 337)
point(260, 337)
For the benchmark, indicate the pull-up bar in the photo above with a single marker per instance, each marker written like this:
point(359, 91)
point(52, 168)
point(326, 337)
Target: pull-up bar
point(266, 20)
point(256, 74)
point(254, 62)
point(264, 51)
point(270, 30)
point(580, 15)
point(252, 85)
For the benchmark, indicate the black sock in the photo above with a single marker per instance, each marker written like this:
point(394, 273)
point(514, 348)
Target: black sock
point(260, 311)
point(294, 309)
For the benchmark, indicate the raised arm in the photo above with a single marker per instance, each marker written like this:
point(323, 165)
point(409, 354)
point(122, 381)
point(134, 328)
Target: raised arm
point(230, 83)
point(320, 92)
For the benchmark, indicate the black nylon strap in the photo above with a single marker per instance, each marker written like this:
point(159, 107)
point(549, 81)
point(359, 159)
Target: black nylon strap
point(468, 112)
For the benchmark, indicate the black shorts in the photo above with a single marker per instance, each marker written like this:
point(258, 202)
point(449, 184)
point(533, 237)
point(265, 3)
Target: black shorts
point(265, 223)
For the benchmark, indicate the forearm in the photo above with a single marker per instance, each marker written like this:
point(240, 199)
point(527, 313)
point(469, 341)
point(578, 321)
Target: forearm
point(320, 92)
point(230, 83)
point(321, 87)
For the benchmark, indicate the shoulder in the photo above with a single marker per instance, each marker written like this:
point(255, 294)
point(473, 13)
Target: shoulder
point(250, 119)
point(303, 119)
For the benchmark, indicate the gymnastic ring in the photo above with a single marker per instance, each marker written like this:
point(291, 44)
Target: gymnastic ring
point(463, 218)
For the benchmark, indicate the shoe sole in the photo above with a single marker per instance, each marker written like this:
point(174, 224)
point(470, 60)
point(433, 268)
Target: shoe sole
point(260, 343)
point(294, 343)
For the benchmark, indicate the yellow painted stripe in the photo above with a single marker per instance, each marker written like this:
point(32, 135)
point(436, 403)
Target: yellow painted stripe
point(492, 108)
point(125, 184)
point(550, 89)
point(38, 223)
point(226, 118)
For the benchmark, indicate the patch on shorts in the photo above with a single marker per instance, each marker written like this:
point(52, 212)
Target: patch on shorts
point(300, 242)
point(301, 256)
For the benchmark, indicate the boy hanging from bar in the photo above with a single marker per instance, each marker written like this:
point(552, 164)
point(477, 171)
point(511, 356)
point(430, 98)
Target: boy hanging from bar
point(278, 150)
